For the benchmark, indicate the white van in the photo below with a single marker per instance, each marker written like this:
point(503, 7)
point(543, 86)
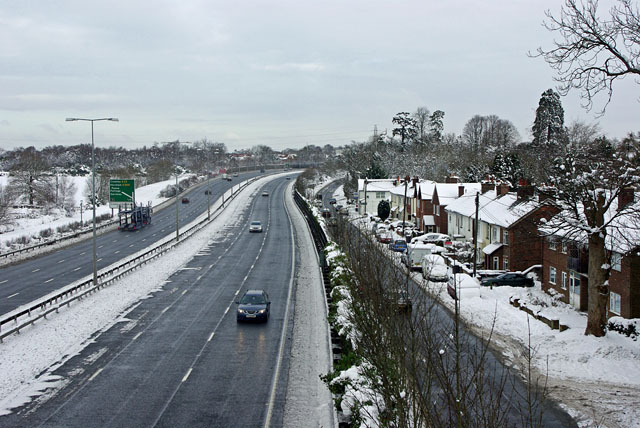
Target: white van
point(434, 268)
point(412, 258)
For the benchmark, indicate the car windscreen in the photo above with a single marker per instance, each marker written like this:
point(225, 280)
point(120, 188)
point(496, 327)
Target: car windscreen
point(253, 299)
point(255, 223)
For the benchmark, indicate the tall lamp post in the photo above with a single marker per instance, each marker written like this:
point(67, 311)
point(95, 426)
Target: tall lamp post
point(93, 186)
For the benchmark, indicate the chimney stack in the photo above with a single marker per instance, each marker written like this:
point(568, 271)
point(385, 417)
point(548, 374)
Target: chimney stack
point(451, 179)
point(485, 186)
point(503, 189)
point(525, 191)
point(460, 190)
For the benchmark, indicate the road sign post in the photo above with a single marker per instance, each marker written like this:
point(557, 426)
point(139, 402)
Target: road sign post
point(121, 192)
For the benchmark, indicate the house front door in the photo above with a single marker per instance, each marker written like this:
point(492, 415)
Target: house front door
point(574, 289)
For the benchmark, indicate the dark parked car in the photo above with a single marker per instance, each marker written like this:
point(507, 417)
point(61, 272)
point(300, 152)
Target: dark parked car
point(332, 201)
point(253, 306)
point(207, 192)
point(185, 200)
point(326, 213)
point(509, 278)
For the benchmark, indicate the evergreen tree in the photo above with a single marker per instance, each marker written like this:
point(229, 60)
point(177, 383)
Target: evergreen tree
point(384, 209)
point(548, 127)
point(507, 167)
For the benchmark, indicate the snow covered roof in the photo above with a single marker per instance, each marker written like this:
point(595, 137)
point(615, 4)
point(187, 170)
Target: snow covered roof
point(501, 211)
point(448, 192)
point(428, 220)
point(426, 189)
point(376, 185)
point(491, 248)
point(623, 230)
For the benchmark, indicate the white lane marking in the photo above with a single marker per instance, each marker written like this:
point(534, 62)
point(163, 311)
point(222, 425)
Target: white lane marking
point(165, 309)
point(61, 261)
point(187, 375)
point(130, 245)
point(93, 376)
point(226, 310)
point(100, 246)
point(144, 239)
point(211, 336)
point(136, 336)
point(115, 240)
point(3, 281)
point(237, 292)
point(99, 260)
point(35, 270)
point(184, 292)
point(14, 294)
point(82, 253)
point(48, 280)
point(77, 269)
point(117, 252)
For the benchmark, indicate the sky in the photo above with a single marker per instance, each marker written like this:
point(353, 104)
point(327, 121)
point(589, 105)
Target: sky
point(280, 73)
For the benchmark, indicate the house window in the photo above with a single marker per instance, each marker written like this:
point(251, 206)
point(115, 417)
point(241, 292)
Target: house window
point(552, 244)
point(494, 234)
point(496, 263)
point(505, 237)
point(552, 275)
point(488, 229)
point(505, 262)
point(380, 195)
point(614, 303)
point(563, 284)
point(616, 261)
point(564, 247)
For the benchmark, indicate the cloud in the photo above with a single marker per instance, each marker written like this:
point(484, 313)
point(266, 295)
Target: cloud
point(294, 66)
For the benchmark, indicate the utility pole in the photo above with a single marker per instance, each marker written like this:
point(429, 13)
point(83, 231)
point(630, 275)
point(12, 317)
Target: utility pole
point(177, 224)
point(475, 235)
point(365, 195)
point(404, 203)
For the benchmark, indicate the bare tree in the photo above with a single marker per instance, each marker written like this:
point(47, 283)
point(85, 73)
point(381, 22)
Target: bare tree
point(5, 203)
point(592, 52)
point(421, 117)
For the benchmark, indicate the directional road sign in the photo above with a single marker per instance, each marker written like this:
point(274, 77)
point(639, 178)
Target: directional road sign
point(121, 192)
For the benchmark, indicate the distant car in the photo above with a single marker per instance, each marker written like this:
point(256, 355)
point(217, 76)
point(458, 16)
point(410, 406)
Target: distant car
point(433, 238)
point(463, 285)
point(326, 213)
point(229, 179)
point(338, 207)
point(385, 238)
point(253, 306)
point(434, 268)
point(510, 278)
point(235, 175)
point(332, 201)
point(265, 193)
point(207, 192)
point(288, 178)
point(399, 245)
point(255, 226)
point(185, 200)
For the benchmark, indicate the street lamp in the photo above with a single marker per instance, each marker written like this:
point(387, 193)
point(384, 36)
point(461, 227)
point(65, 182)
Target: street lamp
point(93, 186)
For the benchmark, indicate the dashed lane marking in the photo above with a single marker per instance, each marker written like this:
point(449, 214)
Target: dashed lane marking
point(3, 281)
point(100, 246)
point(82, 253)
point(93, 376)
point(13, 295)
point(77, 269)
point(136, 336)
point(48, 280)
point(211, 336)
point(117, 252)
point(61, 261)
point(165, 309)
point(184, 379)
point(35, 270)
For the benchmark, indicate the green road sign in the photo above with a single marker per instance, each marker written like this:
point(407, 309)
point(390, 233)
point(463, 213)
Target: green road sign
point(121, 192)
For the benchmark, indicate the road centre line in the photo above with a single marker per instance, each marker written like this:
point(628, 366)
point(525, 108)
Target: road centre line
point(184, 292)
point(165, 309)
point(117, 252)
point(77, 269)
point(13, 295)
point(61, 261)
point(82, 253)
point(3, 281)
point(211, 336)
point(136, 336)
point(49, 280)
point(35, 270)
point(227, 310)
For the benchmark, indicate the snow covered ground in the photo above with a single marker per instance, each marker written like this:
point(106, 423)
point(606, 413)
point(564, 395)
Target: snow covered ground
point(28, 359)
point(26, 222)
point(597, 380)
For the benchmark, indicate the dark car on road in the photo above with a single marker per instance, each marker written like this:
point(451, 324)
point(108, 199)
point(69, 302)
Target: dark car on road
point(509, 278)
point(185, 200)
point(253, 306)
point(332, 201)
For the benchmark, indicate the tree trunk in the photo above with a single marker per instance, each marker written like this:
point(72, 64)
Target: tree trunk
point(598, 289)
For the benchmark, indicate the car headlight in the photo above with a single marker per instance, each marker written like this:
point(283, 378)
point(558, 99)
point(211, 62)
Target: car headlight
point(262, 311)
point(240, 311)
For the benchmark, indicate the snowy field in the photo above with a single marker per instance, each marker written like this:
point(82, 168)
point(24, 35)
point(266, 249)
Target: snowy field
point(27, 222)
point(597, 380)
point(28, 359)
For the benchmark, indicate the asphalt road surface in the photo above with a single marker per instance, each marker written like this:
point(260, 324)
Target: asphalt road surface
point(182, 359)
point(24, 282)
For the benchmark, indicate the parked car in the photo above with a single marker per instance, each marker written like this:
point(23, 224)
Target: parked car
point(412, 258)
point(434, 268)
point(235, 175)
point(185, 200)
point(399, 245)
point(207, 192)
point(326, 213)
point(265, 193)
point(338, 207)
point(332, 201)
point(255, 226)
point(462, 286)
point(510, 278)
point(253, 306)
point(385, 237)
point(434, 238)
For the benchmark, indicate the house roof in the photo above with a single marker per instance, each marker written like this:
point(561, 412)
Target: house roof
point(448, 192)
point(376, 185)
point(491, 248)
point(501, 211)
point(623, 230)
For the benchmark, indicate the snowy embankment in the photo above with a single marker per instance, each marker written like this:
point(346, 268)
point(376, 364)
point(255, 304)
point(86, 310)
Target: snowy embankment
point(26, 222)
point(28, 359)
point(597, 380)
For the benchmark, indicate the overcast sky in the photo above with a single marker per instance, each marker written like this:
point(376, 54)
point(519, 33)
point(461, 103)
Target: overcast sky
point(280, 73)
